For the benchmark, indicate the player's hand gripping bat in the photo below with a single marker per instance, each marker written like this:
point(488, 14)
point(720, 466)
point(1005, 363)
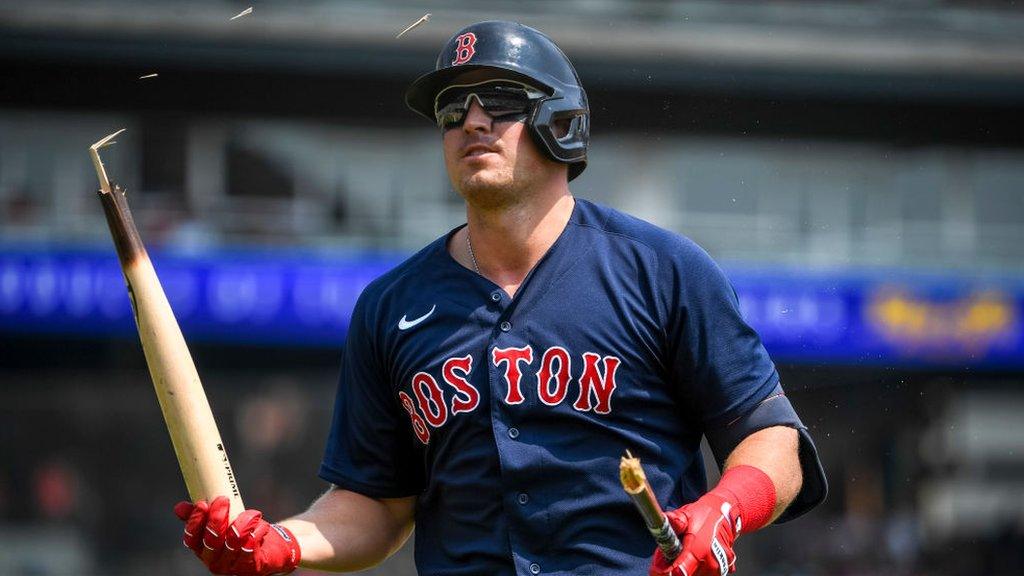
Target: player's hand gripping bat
point(201, 455)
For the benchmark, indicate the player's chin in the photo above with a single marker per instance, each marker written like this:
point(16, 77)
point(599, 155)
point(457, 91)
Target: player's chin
point(485, 178)
point(486, 190)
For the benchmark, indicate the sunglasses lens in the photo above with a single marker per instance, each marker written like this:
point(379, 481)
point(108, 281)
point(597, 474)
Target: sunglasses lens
point(501, 102)
point(498, 105)
point(451, 116)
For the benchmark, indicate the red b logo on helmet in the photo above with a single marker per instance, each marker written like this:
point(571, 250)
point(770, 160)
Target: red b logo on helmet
point(464, 48)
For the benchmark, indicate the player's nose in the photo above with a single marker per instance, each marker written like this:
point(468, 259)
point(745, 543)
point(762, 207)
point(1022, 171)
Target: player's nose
point(477, 119)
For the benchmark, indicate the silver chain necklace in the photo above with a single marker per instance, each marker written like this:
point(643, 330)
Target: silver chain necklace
point(472, 256)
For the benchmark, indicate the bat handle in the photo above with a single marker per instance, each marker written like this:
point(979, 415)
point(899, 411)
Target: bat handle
point(668, 541)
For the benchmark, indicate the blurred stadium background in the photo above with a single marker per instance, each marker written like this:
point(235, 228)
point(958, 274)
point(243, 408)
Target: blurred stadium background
point(854, 165)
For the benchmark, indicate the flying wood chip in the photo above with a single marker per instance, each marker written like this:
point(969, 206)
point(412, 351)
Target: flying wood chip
point(422, 19)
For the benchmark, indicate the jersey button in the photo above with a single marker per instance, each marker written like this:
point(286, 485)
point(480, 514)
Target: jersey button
point(534, 568)
point(524, 498)
point(513, 433)
point(495, 296)
point(505, 326)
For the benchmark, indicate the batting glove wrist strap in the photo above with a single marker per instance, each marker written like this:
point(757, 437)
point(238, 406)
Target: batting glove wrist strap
point(751, 492)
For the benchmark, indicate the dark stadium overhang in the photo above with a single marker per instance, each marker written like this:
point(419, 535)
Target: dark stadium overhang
point(848, 51)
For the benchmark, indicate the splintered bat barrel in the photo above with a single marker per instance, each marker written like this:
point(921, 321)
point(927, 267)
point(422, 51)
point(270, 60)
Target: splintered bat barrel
point(197, 443)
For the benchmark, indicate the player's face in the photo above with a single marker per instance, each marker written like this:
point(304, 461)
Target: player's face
point(492, 160)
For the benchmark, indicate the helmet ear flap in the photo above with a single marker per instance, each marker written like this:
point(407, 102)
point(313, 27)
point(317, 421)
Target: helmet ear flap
point(570, 147)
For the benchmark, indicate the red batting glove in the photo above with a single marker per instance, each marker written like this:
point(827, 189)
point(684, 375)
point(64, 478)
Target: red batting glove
point(707, 528)
point(249, 546)
point(744, 498)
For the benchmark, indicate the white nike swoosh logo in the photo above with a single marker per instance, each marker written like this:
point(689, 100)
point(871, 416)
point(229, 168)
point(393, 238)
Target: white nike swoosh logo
point(404, 324)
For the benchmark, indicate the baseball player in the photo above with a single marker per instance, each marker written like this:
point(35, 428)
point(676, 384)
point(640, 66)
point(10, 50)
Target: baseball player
point(491, 382)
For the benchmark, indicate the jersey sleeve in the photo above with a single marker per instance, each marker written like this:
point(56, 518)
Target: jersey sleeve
point(369, 446)
point(725, 376)
point(720, 365)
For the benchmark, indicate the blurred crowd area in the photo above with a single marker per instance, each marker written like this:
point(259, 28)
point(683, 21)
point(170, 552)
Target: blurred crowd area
point(821, 135)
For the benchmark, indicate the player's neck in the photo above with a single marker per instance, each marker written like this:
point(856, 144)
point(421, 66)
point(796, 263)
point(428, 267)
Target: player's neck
point(508, 243)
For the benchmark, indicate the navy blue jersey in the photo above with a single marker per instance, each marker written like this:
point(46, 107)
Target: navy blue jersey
point(507, 417)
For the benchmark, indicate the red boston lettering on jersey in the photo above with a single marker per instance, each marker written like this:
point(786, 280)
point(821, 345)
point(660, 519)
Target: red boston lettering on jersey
point(432, 402)
point(418, 425)
point(561, 377)
point(427, 406)
point(592, 382)
point(464, 48)
point(467, 397)
point(511, 357)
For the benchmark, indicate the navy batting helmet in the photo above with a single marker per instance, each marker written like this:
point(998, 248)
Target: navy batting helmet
point(517, 52)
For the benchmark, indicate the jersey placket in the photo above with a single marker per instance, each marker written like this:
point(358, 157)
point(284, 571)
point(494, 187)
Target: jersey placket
point(512, 442)
point(518, 456)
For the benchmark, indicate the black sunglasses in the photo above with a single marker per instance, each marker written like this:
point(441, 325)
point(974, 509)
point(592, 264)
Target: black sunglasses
point(503, 100)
